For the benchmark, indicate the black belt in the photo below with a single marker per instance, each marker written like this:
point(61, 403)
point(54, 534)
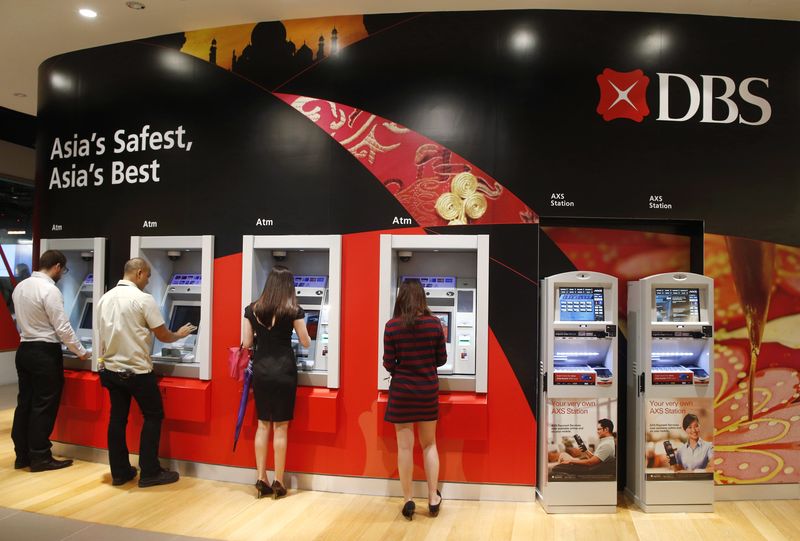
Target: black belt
point(124, 374)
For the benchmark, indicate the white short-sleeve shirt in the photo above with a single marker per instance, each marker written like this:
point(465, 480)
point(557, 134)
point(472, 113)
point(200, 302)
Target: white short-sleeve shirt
point(605, 450)
point(126, 317)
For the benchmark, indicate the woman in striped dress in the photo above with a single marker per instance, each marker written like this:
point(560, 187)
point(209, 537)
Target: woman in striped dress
point(413, 347)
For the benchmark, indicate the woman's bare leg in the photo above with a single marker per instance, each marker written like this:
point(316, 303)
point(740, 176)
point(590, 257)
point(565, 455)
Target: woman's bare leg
point(262, 437)
point(279, 443)
point(430, 455)
point(405, 456)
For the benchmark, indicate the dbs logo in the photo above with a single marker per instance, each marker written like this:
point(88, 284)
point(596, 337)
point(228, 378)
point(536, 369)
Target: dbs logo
point(623, 95)
point(713, 99)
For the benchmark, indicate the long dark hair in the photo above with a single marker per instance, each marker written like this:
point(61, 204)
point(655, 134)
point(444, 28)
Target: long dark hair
point(278, 299)
point(411, 303)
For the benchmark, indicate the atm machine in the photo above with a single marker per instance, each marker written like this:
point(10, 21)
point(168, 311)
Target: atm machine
point(453, 270)
point(315, 262)
point(313, 297)
point(670, 392)
point(452, 300)
point(181, 282)
point(578, 393)
point(83, 311)
point(81, 288)
point(180, 305)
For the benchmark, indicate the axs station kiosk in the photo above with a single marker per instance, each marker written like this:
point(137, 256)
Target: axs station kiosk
point(316, 262)
point(578, 393)
point(670, 392)
point(454, 270)
point(182, 283)
point(82, 288)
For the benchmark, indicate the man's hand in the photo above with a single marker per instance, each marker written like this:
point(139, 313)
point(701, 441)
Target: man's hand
point(186, 330)
point(86, 356)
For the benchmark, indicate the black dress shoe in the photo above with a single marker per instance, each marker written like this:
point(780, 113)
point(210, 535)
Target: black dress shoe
point(278, 489)
point(21, 463)
point(434, 509)
point(117, 481)
point(408, 509)
point(51, 464)
point(164, 477)
point(263, 489)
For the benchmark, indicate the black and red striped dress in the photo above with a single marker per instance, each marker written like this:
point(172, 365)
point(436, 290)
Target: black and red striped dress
point(411, 355)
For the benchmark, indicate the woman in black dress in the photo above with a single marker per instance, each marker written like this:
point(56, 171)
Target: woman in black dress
point(413, 348)
point(268, 325)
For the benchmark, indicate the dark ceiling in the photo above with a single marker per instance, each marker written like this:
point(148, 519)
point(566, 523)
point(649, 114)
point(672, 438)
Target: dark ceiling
point(17, 128)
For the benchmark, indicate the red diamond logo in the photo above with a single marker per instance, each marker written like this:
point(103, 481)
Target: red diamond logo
point(623, 95)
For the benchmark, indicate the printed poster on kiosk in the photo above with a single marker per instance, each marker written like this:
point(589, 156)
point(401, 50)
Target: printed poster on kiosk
point(679, 439)
point(582, 439)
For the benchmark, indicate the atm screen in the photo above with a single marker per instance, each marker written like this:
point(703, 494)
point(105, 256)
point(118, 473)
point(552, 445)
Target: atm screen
point(581, 304)
point(86, 317)
point(183, 314)
point(465, 301)
point(188, 279)
point(312, 323)
point(445, 319)
point(678, 304)
point(430, 282)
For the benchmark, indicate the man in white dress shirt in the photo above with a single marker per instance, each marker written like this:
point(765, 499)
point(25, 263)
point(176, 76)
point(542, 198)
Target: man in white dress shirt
point(43, 325)
point(128, 319)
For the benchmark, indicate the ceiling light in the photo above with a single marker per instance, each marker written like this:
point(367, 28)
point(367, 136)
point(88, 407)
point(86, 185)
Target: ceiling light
point(88, 13)
point(16, 231)
point(138, 6)
point(20, 95)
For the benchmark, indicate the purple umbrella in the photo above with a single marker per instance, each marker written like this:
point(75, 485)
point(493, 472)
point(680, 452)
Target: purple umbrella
point(248, 377)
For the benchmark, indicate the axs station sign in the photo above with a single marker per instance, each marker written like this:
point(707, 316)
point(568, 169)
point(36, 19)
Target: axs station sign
point(712, 99)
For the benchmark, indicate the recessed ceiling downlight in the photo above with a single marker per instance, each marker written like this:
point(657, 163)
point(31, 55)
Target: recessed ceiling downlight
point(135, 5)
point(88, 13)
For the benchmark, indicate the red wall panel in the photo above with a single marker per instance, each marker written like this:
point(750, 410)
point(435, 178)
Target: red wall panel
point(482, 438)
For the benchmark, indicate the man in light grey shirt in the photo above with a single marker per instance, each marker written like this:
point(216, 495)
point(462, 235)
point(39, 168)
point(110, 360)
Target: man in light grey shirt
point(127, 319)
point(43, 325)
point(606, 449)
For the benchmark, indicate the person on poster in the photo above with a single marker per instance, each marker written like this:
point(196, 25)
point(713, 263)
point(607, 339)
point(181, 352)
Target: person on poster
point(128, 319)
point(605, 453)
point(43, 325)
point(696, 454)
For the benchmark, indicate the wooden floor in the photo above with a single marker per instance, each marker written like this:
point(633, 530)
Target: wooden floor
point(196, 507)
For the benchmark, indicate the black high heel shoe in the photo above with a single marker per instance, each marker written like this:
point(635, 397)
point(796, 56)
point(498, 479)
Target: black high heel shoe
point(408, 509)
point(263, 489)
point(278, 489)
point(434, 509)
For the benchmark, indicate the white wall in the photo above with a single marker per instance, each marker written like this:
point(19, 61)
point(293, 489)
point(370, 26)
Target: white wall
point(8, 371)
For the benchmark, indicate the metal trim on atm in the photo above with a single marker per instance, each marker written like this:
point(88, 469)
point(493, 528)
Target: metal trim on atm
point(97, 245)
point(330, 378)
point(390, 248)
point(201, 368)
